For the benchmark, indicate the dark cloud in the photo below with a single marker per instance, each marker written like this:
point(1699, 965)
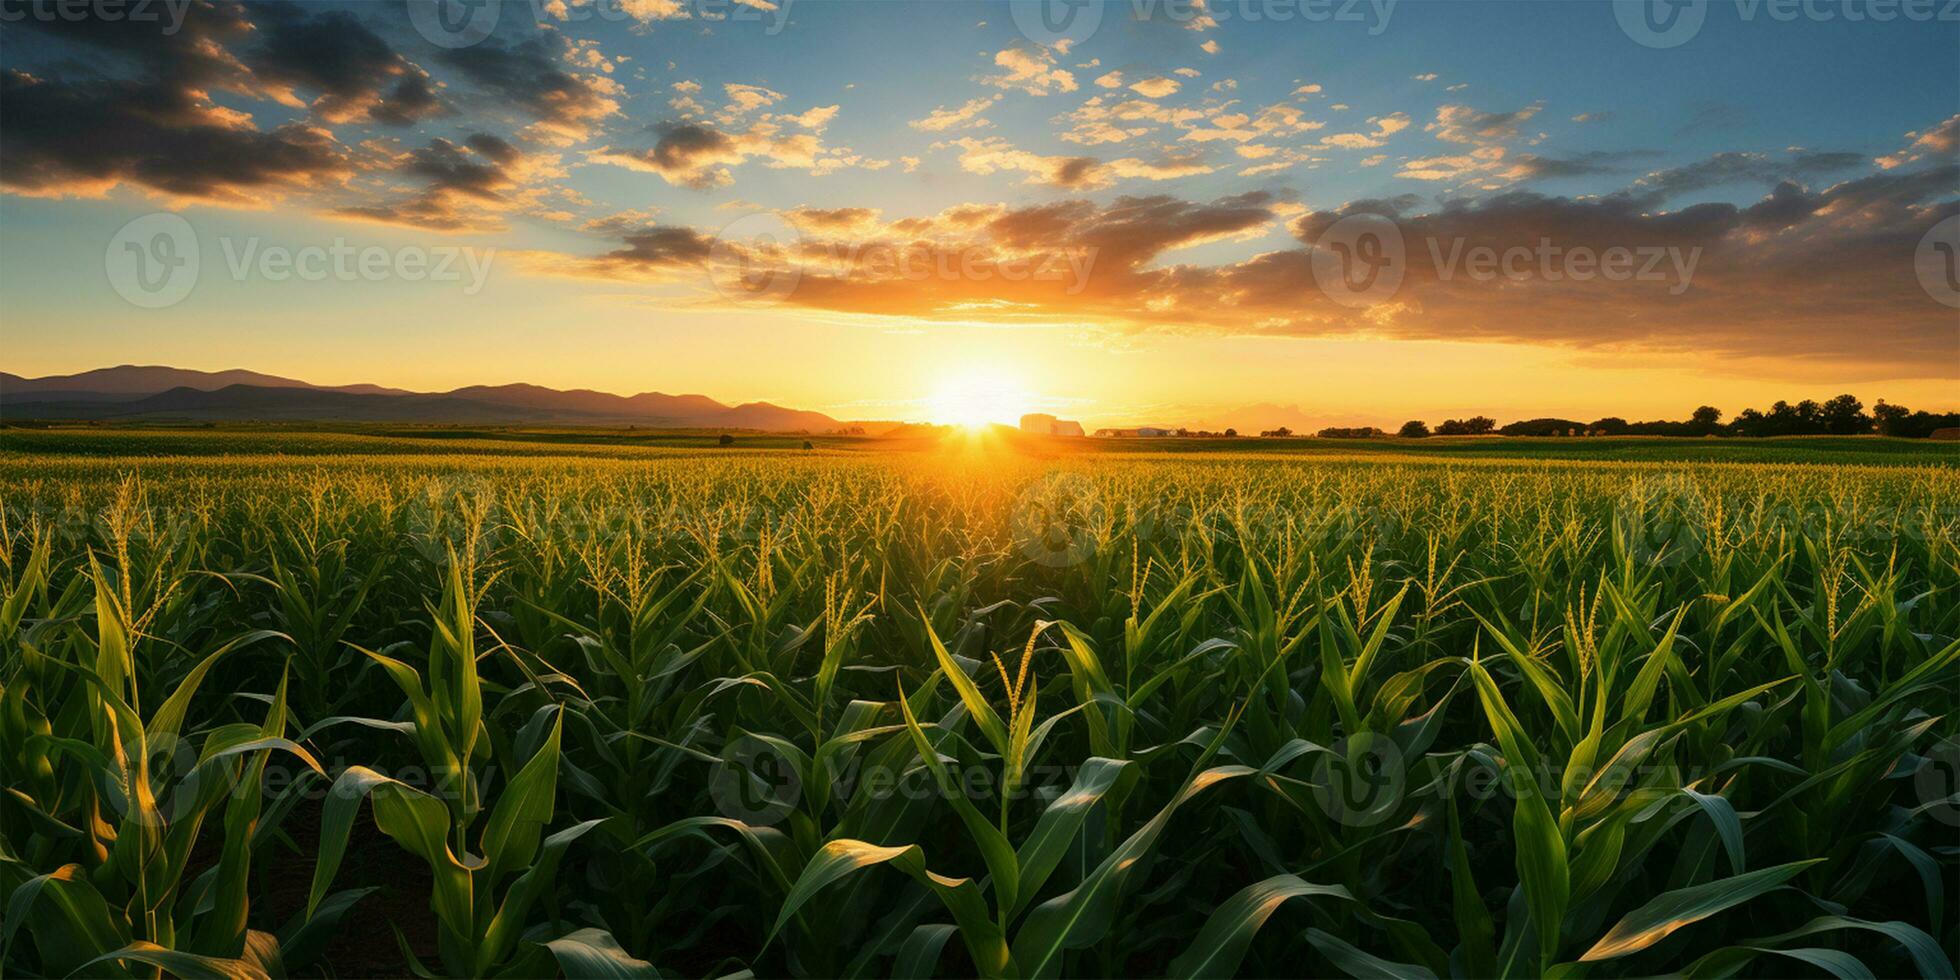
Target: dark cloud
point(170, 64)
point(1741, 168)
point(685, 153)
point(461, 185)
point(449, 167)
point(358, 75)
point(1074, 172)
point(531, 76)
point(662, 247)
point(140, 111)
point(84, 137)
point(1590, 164)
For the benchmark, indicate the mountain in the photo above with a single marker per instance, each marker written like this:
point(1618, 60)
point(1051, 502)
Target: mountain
point(153, 393)
point(136, 380)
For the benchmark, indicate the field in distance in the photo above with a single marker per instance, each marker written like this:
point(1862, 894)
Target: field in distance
point(353, 439)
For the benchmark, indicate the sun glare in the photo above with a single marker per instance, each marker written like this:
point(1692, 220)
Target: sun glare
point(976, 399)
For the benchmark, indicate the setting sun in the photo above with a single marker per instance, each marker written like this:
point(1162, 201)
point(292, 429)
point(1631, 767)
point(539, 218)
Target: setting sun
point(977, 398)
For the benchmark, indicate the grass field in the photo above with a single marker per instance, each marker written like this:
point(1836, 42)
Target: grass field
point(499, 703)
point(241, 439)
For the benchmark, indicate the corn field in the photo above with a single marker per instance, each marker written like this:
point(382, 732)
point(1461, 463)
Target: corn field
point(853, 715)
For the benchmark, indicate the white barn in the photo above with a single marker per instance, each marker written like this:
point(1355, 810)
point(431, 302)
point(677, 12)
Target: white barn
point(1042, 424)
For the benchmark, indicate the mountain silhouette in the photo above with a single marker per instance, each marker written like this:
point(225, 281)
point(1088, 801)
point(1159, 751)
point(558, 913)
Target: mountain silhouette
point(151, 392)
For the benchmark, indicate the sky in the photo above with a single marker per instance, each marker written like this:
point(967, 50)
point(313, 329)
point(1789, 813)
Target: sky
point(1301, 212)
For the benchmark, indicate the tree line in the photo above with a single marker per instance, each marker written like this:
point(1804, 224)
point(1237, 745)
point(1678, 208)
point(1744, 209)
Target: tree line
point(1844, 415)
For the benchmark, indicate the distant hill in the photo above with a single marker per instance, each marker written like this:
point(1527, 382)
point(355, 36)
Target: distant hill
point(136, 380)
point(132, 392)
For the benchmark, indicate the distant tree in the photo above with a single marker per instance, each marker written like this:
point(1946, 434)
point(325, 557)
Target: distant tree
point(1362, 432)
point(1890, 418)
point(1706, 420)
point(1279, 433)
point(1748, 422)
point(1540, 427)
point(1921, 424)
point(1845, 416)
point(1413, 429)
point(725, 440)
point(807, 444)
point(1481, 425)
point(1810, 417)
point(1231, 433)
point(1612, 425)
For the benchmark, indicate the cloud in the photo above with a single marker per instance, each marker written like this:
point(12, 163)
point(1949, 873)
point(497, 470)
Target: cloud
point(357, 75)
point(530, 75)
point(84, 138)
point(1156, 88)
point(698, 155)
point(1031, 70)
point(1590, 163)
point(967, 116)
point(1384, 127)
point(1801, 275)
point(995, 155)
point(1940, 140)
point(138, 109)
point(1462, 124)
point(464, 187)
point(747, 98)
point(1740, 168)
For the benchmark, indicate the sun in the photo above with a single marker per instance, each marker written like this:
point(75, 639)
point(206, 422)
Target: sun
point(976, 398)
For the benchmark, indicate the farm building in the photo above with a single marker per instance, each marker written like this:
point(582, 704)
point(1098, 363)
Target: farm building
point(1042, 424)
